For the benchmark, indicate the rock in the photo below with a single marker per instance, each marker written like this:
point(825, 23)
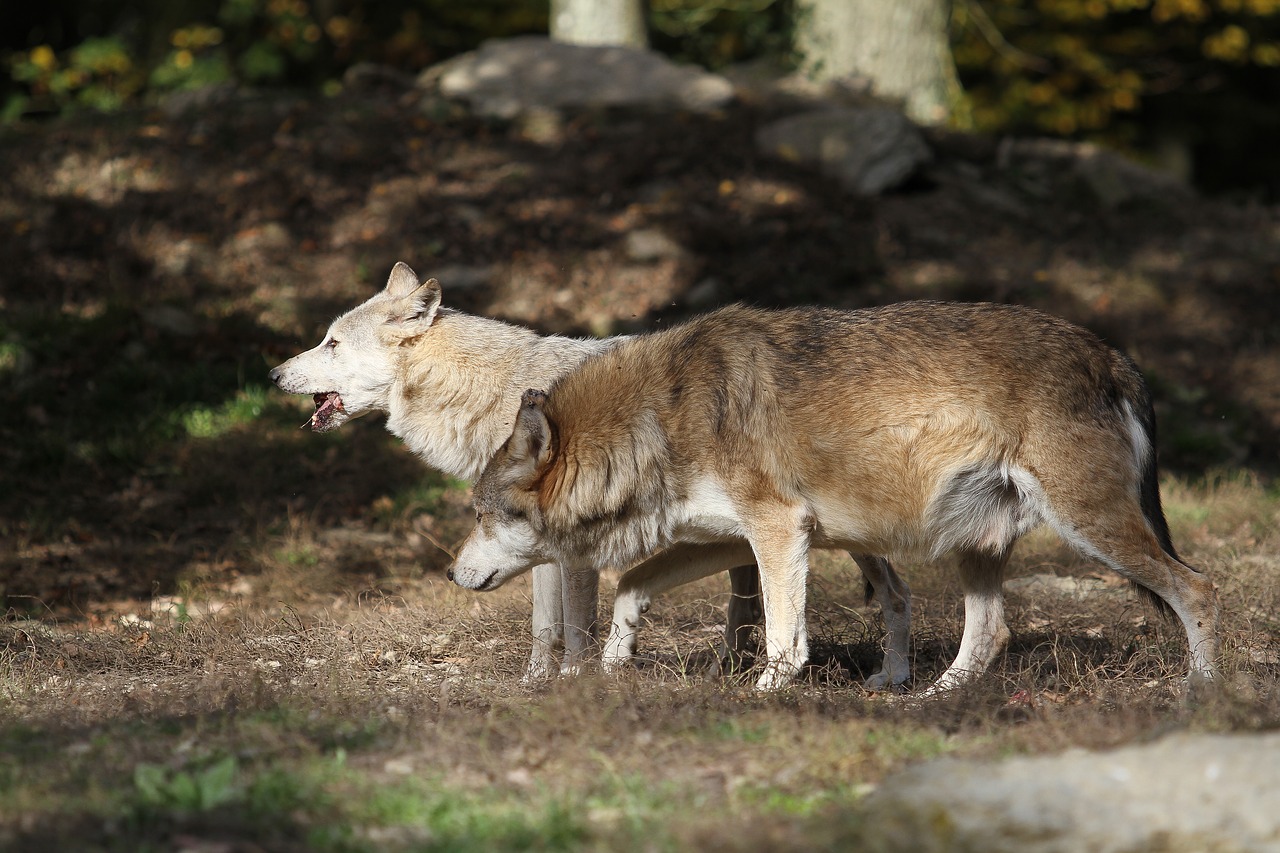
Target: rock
point(1042, 166)
point(704, 294)
point(506, 77)
point(650, 244)
point(1182, 794)
point(1042, 585)
point(542, 126)
point(774, 85)
point(372, 77)
point(867, 149)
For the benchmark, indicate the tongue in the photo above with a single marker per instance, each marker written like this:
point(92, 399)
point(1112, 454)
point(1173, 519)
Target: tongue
point(326, 406)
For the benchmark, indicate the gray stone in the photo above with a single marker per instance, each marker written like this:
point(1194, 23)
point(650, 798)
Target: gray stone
point(704, 294)
point(542, 125)
point(650, 244)
point(1042, 166)
point(1182, 794)
point(506, 77)
point(1041, 585)
point(867, 149)
point(371, 76)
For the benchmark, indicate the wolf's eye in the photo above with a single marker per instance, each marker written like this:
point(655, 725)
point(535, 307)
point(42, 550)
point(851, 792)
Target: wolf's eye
point(517, 515)
point(331, 345)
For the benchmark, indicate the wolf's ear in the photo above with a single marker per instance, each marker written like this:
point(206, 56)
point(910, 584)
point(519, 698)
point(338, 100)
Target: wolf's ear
point(417, 310)
point(529, 448)
point(424, 302)
point(402, 281)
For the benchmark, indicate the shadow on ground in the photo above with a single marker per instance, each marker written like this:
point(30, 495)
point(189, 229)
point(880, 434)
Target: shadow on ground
point(160, 265)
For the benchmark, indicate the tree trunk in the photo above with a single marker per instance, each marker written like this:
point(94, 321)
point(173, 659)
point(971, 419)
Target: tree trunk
point(900, 47)
point(620, 22)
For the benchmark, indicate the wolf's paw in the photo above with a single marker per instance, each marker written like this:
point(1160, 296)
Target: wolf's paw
point(613, 664)
point(877, 682)
point(885, 682)
point(775, 678)
point(535, 675)
point(619, 650)
point(1200, 687)
point(729, 662)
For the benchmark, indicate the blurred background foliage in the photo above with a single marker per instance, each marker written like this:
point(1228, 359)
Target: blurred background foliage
point(1193, 83)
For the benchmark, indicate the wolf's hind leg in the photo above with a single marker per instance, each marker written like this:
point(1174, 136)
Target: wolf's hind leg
point(1128, 546)
point(1112, 513)
point(894, 597)
point(985, 632)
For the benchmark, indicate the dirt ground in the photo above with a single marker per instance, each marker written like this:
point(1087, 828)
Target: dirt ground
point(157, 265)
point(166, 526)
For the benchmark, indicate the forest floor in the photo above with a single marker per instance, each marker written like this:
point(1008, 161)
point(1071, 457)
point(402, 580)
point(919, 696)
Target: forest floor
point(228, 633)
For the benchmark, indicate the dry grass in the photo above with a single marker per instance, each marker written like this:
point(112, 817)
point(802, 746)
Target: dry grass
point(300, 717)
point(303, 677)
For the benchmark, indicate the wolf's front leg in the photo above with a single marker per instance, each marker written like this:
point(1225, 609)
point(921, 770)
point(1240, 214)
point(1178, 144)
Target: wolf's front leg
point(548, 624)
point(780, 538)
point(580, 593)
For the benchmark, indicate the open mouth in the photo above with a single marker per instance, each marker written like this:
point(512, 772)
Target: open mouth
point(327, 405)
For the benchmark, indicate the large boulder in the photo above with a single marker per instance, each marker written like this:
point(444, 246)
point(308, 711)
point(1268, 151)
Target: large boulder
point(1051, 166)
point(1182, 794)
point(867, 149)
point(505, 78)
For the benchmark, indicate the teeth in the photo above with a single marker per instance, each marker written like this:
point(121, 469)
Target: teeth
point(326, 405)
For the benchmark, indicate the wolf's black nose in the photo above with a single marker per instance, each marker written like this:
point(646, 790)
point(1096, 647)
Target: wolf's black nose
point(274, 375)
point(449, 574)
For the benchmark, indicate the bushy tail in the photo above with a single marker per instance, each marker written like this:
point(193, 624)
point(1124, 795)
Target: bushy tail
point(1139, 399)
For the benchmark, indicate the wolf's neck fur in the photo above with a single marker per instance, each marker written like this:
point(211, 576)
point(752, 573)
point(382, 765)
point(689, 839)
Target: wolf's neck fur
point(458, 386)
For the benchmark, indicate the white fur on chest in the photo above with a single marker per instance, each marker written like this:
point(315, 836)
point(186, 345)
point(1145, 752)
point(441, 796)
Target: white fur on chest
point(707, 514)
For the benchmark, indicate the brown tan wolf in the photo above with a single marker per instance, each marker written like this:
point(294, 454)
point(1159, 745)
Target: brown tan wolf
point(915, 429)
point(450, 384)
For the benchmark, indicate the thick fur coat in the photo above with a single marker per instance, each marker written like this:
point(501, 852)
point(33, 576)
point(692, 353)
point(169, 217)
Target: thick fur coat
point(916, 429)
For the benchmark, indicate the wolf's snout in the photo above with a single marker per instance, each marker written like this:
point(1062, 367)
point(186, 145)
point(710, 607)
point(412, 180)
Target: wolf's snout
point(468, 577)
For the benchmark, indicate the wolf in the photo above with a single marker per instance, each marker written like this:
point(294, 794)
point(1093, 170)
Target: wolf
point(449, 384)
point(916, 429)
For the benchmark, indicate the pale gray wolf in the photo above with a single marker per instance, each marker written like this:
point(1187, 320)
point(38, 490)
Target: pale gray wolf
point(450, 384)
point(917, 429)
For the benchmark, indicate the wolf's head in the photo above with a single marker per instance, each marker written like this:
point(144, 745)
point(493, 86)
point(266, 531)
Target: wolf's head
point(352, 370)
point(510, 535)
